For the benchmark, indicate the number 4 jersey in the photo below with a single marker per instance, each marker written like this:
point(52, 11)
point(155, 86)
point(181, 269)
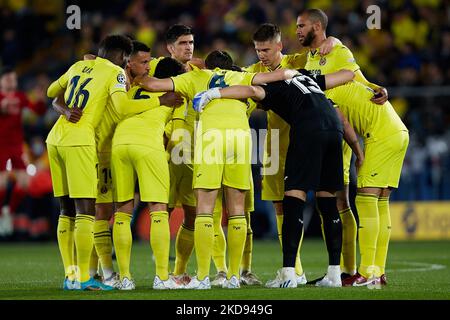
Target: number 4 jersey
point(88, 85)
point(220, 113)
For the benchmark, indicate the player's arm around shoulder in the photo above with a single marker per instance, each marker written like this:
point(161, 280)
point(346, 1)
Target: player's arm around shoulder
point(347, 61)
point(59, 85)
point(277, 75)
point(154, 84)
point(201, 99)
point(328, 45)
point(338, 78)
point(380, 95)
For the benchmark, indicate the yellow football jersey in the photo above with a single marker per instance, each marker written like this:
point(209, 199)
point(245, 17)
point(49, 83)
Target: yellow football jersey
point(219, 113)
point(146, 128)
point(153, 63)
point(88, 85)
point(340, 57)
point(274, 121)
point(186, 112)
point(370, 120)
point(105, 129)
point(291, 61)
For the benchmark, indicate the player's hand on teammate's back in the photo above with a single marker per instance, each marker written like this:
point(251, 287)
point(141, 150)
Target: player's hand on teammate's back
point(201, 99)
point(171, 99)
point(380, 96)
point(73, 114)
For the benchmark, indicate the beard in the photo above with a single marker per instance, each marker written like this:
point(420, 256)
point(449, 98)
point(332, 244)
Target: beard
point(309, 38)
point(132, 74)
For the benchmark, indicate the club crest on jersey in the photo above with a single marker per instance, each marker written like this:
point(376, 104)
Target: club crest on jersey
point(322, 61)
point(121, 78)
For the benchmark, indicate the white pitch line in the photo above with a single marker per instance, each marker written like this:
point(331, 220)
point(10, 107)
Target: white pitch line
point(421, 266)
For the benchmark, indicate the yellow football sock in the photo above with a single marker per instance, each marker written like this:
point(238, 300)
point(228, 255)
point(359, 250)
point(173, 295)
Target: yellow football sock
point(65, 230)
point(93, 262)
point(204, 241)
point(246, 263)
point(384, 234)
point(184, 245)
point(220, 243)
point(369, 225)
point(103, 245)
point(160, 242)
point(298, 262)
point(123, 241)
point(237, 232)
point(279, 218)
point(84, 242)
point(349, 231)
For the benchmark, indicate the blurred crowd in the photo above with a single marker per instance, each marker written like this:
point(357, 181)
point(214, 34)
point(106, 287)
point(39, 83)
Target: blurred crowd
point(411, 49)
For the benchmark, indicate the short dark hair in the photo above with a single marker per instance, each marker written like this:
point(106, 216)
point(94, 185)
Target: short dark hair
point(139, 46)
point(5, 70)
point(168, 67)
point(316, 15)
point(115, 43)
point(176, 31)
point(267, 32)
point(219, 59)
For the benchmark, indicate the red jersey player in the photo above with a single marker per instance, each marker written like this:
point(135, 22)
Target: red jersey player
point(12, 102)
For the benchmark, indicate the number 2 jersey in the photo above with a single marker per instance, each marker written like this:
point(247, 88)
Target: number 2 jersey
point(146, 128)
point(88, 85)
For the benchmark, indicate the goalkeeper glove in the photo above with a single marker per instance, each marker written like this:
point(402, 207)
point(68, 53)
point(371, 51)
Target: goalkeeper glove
point(201, 99)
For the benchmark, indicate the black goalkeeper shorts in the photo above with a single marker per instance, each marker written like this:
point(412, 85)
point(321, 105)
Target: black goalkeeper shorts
point(314, 162)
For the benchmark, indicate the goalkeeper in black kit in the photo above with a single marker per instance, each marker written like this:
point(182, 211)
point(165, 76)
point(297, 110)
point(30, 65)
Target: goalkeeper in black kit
point(314, 158)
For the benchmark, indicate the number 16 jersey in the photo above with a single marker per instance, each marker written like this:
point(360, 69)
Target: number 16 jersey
point(88, 85)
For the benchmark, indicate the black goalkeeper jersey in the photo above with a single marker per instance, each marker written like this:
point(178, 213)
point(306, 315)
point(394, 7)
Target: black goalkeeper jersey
point(301, 102)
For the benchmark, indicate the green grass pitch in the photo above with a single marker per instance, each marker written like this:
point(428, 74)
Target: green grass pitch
point(416, 270)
